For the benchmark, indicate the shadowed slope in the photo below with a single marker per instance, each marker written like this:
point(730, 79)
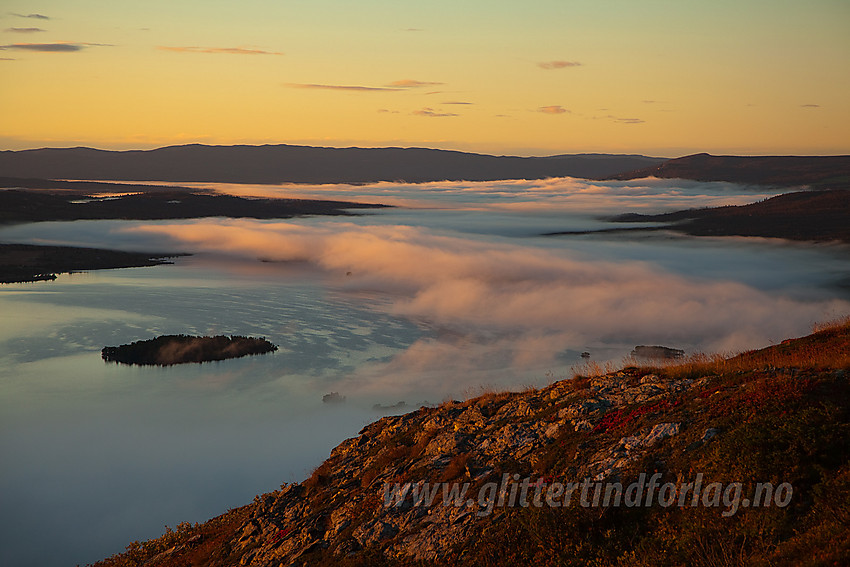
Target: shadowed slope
point(785, 171)
point(805, 215)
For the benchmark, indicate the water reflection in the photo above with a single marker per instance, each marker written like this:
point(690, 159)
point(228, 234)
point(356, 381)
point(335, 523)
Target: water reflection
point(105, 453)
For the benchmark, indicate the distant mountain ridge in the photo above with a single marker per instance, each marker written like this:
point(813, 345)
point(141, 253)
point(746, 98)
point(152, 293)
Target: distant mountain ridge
point(305, 164)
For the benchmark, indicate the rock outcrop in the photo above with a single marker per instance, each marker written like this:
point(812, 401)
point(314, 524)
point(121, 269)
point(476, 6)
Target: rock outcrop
point(341, 508)
point(469, 482)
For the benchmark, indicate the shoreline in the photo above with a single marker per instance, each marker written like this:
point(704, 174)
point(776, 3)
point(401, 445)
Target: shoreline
point(45, 201)
point(22, 205)
point(26, 263)
point(803, 216)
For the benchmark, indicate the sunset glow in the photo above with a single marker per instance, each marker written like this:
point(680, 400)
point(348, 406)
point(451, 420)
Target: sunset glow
point(543, 77)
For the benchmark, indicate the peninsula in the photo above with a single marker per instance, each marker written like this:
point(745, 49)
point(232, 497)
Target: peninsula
point(43, 200)
point(30, 263)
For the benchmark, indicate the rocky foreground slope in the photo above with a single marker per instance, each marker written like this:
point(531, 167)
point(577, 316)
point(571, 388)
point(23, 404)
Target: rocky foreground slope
point(772, 427)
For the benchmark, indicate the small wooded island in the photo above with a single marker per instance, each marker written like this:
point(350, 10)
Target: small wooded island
point(179, 349)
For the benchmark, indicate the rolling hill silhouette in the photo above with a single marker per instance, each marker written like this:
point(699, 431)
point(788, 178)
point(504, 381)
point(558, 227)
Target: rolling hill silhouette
point(785, 171)
point(304, 164)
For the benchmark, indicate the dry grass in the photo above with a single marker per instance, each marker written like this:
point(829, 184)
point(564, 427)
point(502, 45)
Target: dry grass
point(485, 393)
point(692, 366)
point(211, 545)
point(827, 348)
point(832, 324)
point(320, 477)
point(579, 383)
point(592, 369)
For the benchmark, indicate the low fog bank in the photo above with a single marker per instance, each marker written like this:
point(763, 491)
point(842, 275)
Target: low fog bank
point(547, 196)
point(504, 308)
point(497, 305)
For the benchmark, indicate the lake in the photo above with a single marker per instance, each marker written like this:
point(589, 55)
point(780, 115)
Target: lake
point(454, 292)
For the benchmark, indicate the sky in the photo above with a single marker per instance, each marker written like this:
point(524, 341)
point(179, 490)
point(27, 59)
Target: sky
point(540, 77)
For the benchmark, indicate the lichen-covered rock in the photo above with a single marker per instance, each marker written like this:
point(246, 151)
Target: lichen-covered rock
point(374, 532)
point(611, 460)
point(341, 508)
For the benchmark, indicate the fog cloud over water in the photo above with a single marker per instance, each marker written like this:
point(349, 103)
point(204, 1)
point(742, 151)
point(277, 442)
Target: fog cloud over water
point(554, 195)
point(498, 305)
point(495, 302)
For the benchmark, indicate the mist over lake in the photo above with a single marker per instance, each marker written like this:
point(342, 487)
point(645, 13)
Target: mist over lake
point(455, 291)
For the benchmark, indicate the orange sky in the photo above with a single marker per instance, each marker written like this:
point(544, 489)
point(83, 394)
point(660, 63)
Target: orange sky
point(658, 77)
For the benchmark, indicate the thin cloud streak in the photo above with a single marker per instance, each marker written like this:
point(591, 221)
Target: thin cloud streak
point(357, 88)
point(412, 84)
point(396, 86)
point(32, 16)
point(24, 30)
point(554, 109)
point(218, 50)
point(47, 47)
point(558, 64)
point(431, 113)
point(621, 120)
